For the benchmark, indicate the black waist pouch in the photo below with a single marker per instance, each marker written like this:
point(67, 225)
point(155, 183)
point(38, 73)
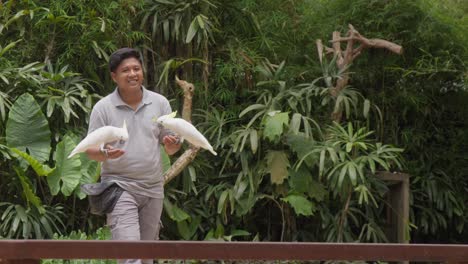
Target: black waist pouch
point(102, 196)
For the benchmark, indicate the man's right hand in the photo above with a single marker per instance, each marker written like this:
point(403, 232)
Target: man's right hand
point(114, 153)
point(108, 152)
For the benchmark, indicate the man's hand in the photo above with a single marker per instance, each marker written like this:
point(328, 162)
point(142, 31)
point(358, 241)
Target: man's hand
point(171, 144)
point(114, 153)
point(108, 152)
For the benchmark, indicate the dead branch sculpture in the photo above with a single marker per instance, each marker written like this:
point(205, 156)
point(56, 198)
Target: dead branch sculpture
point(346, 57)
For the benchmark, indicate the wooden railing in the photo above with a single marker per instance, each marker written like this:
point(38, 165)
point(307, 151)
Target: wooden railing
point(31, 251)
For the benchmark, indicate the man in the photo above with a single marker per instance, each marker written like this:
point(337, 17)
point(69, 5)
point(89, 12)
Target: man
point(134, 165)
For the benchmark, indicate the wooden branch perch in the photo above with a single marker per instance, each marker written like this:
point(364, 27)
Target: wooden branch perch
point(188, 89)
point(337, 49)
point(346, 57)
point(354, 35)
point(189, 155)
point(320, 48)
point(179, 165)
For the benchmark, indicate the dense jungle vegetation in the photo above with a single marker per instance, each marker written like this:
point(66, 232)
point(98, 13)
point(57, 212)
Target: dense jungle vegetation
point(286, 170)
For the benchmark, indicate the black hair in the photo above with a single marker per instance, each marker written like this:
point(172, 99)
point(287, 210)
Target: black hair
point(121, 54)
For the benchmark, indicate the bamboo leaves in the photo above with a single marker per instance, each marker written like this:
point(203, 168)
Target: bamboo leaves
point(346, 156)
point(200, 25)
point(65, 90)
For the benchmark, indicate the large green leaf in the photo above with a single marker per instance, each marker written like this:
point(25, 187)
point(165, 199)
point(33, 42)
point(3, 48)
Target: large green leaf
point(90, 169)
point(27, 128)
point(299, 180)
point(303, 147)
point(277, 166)
point(274, 125)
point(301, 205)
point(38, 167)
point(68, 171)
point(302, 181)
point(90, 172)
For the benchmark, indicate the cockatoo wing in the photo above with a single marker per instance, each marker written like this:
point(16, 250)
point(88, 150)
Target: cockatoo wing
point(96, 138)
point(188, 132)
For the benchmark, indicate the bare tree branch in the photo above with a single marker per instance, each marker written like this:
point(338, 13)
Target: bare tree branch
point(179, 165)
point(337, 49)
point(188, 89)
point(346, 57)
point(354, 35)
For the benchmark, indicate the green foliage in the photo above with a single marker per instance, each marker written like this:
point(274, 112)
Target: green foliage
point(102, 233)
point(20, 222)
point(44, 218)
point(301, 205)
point(266, 107)
point(274, 124)
point(349, 160)
point(175, 20)
point(201, 27)
point(65, 90)
point(67, 175)
point(38, 167)
point(28, 193)
point(277, 165)
point(172, 65)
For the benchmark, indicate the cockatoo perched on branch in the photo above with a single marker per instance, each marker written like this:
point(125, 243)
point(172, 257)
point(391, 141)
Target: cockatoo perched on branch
point(101, 136)
point(185, 130)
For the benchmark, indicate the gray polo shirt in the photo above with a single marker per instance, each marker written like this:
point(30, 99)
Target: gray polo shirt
point(139, 170)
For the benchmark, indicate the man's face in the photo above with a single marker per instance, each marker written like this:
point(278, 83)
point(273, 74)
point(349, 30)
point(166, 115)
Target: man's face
point(129, 75)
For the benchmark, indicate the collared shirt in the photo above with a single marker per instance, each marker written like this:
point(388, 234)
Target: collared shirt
point(139, 169)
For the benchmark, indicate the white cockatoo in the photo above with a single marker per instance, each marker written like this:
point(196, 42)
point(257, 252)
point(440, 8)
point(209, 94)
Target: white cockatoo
point(101, 136)
point(185, 130)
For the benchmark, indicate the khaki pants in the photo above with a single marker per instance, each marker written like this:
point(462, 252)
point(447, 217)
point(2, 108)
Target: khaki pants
point(135, 217)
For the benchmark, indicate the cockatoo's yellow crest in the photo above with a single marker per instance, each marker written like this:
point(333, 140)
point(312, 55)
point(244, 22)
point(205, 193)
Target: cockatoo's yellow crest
point(173, 114)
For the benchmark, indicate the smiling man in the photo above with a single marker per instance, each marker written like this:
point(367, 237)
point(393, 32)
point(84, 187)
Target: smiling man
point(135, 165)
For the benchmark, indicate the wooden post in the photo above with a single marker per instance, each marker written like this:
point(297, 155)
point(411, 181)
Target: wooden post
point(398, 201)
point(398, 206)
